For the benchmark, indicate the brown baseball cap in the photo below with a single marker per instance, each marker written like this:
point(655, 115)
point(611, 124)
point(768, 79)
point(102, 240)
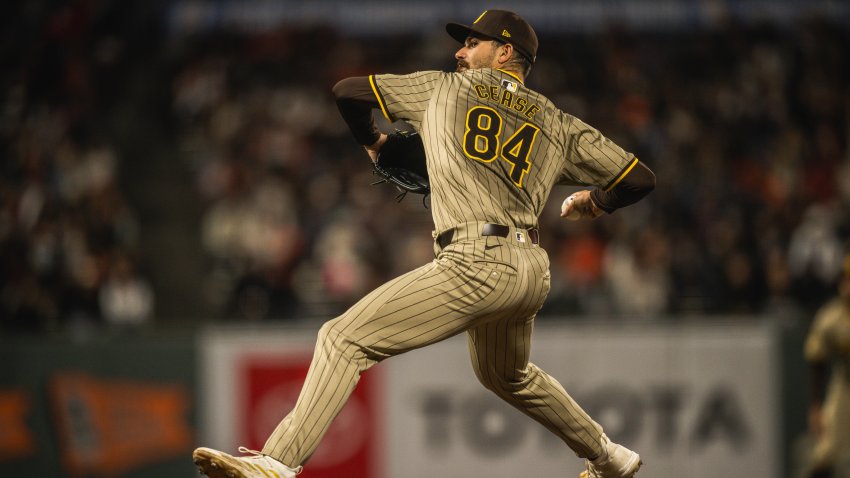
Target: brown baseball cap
point(502, 26)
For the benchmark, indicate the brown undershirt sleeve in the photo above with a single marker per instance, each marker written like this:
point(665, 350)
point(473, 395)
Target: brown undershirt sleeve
point(355, 100)
point(639, 182)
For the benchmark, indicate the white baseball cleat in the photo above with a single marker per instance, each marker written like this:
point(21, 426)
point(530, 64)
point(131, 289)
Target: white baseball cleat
point(616, 461)
point(217, 464)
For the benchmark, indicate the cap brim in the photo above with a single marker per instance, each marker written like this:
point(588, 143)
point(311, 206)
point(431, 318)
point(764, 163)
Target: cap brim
point(461, 32)
point(458, 32)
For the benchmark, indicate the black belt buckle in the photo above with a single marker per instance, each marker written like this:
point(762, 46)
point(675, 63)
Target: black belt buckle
point(503, 231)
point(495, 230)
point(488, 229)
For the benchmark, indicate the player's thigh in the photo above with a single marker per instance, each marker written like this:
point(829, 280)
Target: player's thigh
point(424, 306)
point(500, 350)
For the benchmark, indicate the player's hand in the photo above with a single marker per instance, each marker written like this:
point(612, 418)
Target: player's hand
point(579, 205)
point(372, 149)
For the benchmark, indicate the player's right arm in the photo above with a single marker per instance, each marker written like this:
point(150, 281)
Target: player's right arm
point(593, 160)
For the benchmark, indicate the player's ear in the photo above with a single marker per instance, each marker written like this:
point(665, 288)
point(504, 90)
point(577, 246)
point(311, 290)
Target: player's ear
point(505, 53)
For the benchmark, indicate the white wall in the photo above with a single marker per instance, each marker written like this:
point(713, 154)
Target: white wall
point(696, 401)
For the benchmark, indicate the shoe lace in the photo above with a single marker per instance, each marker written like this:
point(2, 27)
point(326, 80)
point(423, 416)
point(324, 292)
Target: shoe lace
point(590, 470)
point(259, 454)
point(242, 449)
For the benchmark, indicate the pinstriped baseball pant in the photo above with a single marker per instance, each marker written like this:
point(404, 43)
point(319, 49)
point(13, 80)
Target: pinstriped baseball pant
point(489, 287)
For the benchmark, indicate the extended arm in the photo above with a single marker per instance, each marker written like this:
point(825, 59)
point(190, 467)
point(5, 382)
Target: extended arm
point(639, 182)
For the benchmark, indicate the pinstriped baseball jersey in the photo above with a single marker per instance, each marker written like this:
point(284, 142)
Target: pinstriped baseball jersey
point(495, 148)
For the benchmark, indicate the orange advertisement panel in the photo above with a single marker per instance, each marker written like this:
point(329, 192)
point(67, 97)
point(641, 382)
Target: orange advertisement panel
point(16, 438)
point(107, 427)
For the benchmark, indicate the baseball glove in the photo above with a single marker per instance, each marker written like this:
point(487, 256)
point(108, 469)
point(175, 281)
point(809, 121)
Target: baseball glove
point(401, 162)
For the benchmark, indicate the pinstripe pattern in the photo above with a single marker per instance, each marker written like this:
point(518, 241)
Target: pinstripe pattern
point(489, 287)
point(567, 150)
point(474, 284)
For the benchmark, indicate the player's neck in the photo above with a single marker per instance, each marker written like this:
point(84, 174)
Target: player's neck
point(519, 76)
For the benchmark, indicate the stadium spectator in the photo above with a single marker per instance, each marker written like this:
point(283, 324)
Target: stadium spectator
point(746, 125)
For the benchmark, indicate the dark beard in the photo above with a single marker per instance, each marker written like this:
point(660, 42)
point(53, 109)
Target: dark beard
point(462, 65)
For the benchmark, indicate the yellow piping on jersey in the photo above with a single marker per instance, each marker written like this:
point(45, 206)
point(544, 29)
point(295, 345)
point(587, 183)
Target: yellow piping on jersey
point(622, 175)
point(511, 74)
point(378, 96)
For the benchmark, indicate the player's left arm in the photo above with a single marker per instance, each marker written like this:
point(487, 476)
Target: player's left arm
point(399, 97)
point(355, 99)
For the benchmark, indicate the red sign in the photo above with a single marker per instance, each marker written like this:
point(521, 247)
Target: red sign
point(271, 390)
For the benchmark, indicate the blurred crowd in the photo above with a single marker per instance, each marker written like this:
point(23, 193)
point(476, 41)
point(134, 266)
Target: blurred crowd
point(746, 128)
point(68, 236)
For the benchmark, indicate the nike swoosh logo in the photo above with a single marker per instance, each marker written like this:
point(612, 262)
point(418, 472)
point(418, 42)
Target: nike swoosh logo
point(487, 248)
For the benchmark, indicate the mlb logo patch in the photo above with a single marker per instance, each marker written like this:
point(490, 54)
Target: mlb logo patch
point(520, 237)
point(509, 85)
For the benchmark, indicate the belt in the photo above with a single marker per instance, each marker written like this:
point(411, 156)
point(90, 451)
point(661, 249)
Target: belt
point(488, 229)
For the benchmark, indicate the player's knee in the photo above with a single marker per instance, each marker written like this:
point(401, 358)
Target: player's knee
point(325, 330)
point(502, 383)
point(329, 334)
point(483, 373)
point(332, 335)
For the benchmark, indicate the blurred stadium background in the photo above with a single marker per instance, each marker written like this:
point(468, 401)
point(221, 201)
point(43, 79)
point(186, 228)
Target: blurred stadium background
point(181, 207)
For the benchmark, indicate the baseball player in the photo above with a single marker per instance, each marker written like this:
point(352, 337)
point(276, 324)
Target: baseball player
point(828, 343)
point(494, 149)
